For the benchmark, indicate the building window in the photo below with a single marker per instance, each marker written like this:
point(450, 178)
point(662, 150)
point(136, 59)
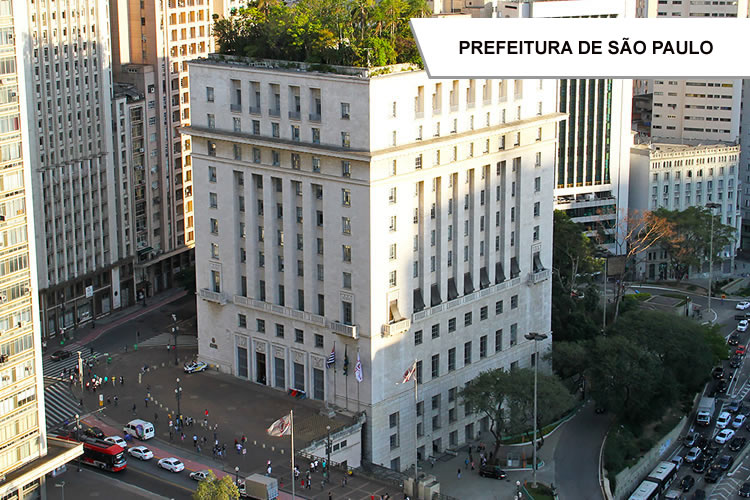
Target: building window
point(498, 340)
point(514, 302)
point(392, 279)
point(346, 197)
point(346, 253)
point(242, 321)
point(417, 337)
point(209, 94)
point(211, 174)
point(347, 280)
point(451, 325)
point(535, 233)
point(345, 111)
point(436, 330)
point(513, 334)
point(435, 366)
point(213, 200)
point(483, 313)
point(260, 325)
point(279, 330)
point(452, 359)
point(499, 307)
point(392, 223)
point(211, 120)
point(483, 346)
point(346, 169)
point(536, 209)
point(346, 225)
point(467, 319)
point(537, 184)
point(299, 336)
point(345, 140)
point(318, 341)
point(467, 353)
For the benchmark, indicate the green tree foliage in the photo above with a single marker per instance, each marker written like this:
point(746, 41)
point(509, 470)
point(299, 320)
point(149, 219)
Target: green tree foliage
point(212, 488)
point(688, 244)
point(342, 32)
point(507, 399)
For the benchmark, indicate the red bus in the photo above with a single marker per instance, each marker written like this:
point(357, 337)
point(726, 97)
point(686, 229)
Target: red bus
point(102, 454)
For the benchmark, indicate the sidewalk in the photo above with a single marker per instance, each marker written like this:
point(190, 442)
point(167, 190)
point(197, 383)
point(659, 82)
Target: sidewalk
point(85, 334)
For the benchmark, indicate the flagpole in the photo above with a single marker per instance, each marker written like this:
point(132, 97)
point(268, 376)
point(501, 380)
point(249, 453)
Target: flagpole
point(291, 421)
point(357, 366)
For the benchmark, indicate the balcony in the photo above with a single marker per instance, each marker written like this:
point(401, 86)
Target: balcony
point(539, 276)
point(454, 108)
point(342, 329)
point(235, 108)
point(274, 112)
point(294, 115)
point(315, 117)
point(418, 115)
point(396, 328)
point(212, 296)
point(254, 110)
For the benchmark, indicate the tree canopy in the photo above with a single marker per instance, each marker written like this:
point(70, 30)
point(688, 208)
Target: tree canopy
point(213, 488)
point(342, 32)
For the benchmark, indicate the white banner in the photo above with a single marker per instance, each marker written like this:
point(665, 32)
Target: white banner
point(463, 47)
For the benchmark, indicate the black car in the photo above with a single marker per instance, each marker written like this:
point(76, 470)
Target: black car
point(718, 372)
point(734, 339)
point(702, 442)
point(713, 474)
point(700, 465)
point(58, 355)
point(687, 483)
point(726, 462)
point(735, 361)
point(94, 432)
point(492, 471)
point(699, 495)
point(711, 450)
point(737, 443)
point(745, 490)
point(721, 386)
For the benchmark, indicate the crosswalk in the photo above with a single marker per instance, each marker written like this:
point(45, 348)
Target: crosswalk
point(59, 403)
point(164, 339)
point(54, 369)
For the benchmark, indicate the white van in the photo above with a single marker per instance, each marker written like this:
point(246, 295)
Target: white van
point(140, 429)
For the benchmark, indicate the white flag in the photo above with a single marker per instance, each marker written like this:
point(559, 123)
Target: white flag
point(282, 427)
point(358, 369)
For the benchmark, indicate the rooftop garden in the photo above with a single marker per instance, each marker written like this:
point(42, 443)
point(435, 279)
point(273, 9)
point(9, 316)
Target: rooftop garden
point(362, 33)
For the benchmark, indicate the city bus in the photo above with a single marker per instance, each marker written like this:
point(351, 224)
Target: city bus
point(663, 475)
point(100, 453)
point(647, 490)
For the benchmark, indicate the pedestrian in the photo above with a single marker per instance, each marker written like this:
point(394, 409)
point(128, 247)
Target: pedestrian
point(198, 448)
point(133, 408)
point(81, 403)
point(223, 449)
point(466, 462)
point(109, 401)
point(116, 400)
point(459, 473)
point(146, 401)
point(215, 436)
point(296, 472)
point(205, 413)
point(182, 436)
point(472, 465)
point(244, 439)
point(469, 450)
point(170, 434)
point(122, 381)
point(195, 440)
point(239, 448)
point(330, 496)
point(156, 417)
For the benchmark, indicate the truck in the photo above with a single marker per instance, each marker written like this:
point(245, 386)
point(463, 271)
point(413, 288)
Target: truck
point(706, 407)
point(259, 487)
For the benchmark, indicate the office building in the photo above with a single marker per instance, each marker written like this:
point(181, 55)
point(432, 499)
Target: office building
point(26, 454)
point(380, 214)
point(678, 176)
point(151, 44)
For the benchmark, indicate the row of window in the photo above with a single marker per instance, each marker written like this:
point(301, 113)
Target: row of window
point(468, 318)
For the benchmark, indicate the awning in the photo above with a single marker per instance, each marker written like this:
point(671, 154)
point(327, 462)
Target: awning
point(418, 300)
point(499, 273)
point(468, 284)
point(515, 271)
point(484, 278)
point(452, 290)
point(538, 263)
point(435, 295)
point(395, 314)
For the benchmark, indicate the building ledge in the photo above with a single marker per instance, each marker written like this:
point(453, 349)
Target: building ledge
point(466, 298)
point(211, 296)
point(396, 328)
point(539, 276)
point(59, 452)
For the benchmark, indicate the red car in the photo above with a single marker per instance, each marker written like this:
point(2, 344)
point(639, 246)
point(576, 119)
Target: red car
point(740, 350)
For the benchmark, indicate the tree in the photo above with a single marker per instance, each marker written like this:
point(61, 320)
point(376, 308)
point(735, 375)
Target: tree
point(573, 251)
point(213, 488)
point(688, 245)
point(507, 399)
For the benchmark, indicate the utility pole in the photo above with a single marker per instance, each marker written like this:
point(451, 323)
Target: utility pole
point(536, 337)
point(175, 329)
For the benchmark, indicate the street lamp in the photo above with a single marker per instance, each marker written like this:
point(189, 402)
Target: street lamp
point(237, 474)
point(536, 337)
point(711, 207)
point(328, 449)
point(175, 329)
point(178, 395)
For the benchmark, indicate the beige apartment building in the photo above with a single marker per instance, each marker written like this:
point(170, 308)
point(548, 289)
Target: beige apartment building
point(26, 454)
point(152, 42)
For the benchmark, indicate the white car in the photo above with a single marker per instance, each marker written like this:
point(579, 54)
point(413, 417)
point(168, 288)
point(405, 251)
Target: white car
point(724, 418)
point(141, 452)
point(724, 436)
point(739, 421)
point(171, 464)
point(117, 440)
point(693, 454)
point(195, 367)
point(199, 475)
point(743, 305)
point(742, 326)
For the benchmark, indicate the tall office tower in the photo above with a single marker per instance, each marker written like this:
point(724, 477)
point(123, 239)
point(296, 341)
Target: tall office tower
point(163, 35)
point(591, 175)
point(82, 273)
point(27, 454)
point(374, 213)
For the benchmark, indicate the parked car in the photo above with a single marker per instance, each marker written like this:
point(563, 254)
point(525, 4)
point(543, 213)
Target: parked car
point(493, 471)
point(171, 464)
point(734, 339)
point(58, 355)
point(739, 420)
point(737, 443)
point(693, 454)
point(733, 406)
point(95, 432)
point(740, 351)
point(199, 475)
point(700, 465)
point(141, 453)
point(724, 436)
point(117, 440)
point(687, 483)
point(726, 461)
point(741, 306)
point(723, 420)
point(718, 372)
point(745, 490)
point(742, 326)
point(195, 367)
point(713, 474)
point(689, 440)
